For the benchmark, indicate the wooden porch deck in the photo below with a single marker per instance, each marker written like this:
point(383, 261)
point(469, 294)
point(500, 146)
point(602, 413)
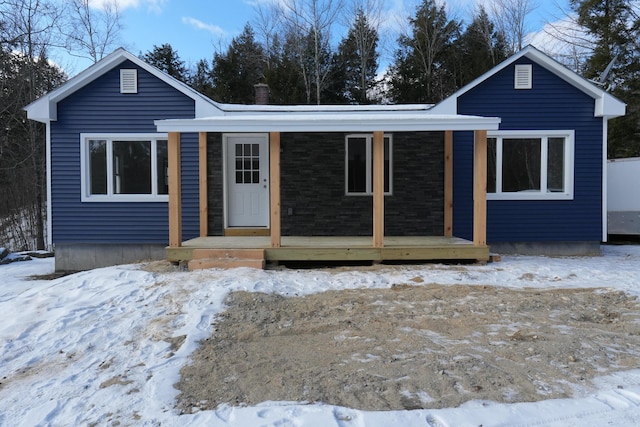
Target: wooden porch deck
point(317, 248)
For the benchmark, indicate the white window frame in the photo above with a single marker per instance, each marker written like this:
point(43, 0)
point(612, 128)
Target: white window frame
point(369, 156)
point(110, 196)
point(543, 135)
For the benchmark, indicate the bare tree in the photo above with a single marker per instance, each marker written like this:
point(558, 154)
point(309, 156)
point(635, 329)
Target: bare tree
point(312, 20)
point(510, 17)
point(568, 42)
point(267, 23)
point(92, 32)
point(29, 27)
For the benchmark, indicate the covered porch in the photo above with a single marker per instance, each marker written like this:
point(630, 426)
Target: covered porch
point(269, 245)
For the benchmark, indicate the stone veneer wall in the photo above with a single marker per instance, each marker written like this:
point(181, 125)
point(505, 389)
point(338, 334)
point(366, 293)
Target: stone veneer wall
point(313, 200)
point(215, 184)
point(313, 187)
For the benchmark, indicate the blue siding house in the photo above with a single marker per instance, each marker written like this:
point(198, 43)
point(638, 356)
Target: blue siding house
point(554, 202)
point(93, 226)
point(140, 166)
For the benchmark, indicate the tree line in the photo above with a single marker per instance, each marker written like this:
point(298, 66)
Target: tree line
point(289, 47)
point(293, 46)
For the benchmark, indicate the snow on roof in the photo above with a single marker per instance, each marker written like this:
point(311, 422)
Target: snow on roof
point(352, 120)
point(324, 108)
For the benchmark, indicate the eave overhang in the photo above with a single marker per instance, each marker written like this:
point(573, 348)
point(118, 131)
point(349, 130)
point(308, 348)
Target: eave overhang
point(330, 122)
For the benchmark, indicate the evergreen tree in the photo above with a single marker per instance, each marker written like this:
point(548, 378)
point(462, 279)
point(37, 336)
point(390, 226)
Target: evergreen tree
point(235, 72)
point(478, 49)
point(201, 79)
point(283, 73)
point(356, 62)
point(420, 72)
point(22, 147)
point(166, 59)
point(615, 26)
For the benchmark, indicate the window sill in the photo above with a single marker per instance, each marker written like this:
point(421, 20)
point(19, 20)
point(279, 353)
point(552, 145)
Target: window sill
point(129, 198)
point(526, 195)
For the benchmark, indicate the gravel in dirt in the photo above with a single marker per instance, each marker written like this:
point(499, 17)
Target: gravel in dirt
point(411, 346)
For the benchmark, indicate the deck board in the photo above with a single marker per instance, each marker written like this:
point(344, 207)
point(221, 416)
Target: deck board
point(340, 248)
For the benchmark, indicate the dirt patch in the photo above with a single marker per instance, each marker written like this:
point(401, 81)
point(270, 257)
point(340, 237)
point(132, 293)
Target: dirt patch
point(52, 276)
point(411, 346)
point(163, 267)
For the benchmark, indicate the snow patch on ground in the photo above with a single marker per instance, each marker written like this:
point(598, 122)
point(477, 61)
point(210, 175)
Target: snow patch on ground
point(106, 345)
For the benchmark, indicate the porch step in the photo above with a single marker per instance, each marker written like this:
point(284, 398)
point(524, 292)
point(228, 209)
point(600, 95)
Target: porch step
point(227, 258)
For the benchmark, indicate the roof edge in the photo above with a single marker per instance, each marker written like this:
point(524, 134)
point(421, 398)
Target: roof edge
point(44, 109)
point(337, 122)
point(607, 105)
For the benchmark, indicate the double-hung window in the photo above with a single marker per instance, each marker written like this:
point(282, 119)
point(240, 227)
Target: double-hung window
point(530, 165)
point(359, 164)
point(124, 167)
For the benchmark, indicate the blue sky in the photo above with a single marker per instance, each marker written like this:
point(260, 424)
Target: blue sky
point(197, 28)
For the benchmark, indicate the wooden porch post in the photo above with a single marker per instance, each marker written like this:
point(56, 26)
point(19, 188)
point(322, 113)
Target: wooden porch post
point(175, 190)
point(378, 189)
point(274, 187)
point(448, 183)
point(204, 203)
point(480, 188)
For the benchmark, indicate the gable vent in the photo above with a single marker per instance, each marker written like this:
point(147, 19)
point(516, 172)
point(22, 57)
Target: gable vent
point(523, 76)
point(128, 81)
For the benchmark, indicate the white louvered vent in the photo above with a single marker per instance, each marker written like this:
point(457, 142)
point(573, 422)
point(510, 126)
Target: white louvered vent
point(523, 76)
point(128, 81)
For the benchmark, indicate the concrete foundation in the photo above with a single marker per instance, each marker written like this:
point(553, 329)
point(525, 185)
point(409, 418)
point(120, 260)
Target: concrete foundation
point(84, 256)
point(546, 248)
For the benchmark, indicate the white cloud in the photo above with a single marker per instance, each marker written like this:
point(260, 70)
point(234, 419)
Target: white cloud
point(199, 25)
point(153, 5)
point(564, 40)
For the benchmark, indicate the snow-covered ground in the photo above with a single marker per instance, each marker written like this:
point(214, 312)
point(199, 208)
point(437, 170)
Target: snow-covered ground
point(104, 347)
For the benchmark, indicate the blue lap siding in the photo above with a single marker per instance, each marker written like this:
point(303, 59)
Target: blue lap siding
point(552, 103)
point(99, 107)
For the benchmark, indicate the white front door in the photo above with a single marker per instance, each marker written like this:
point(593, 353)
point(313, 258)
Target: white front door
point(247, 158)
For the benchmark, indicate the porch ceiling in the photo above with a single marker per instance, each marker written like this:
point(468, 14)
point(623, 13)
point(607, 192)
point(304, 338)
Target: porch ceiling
point(348, 121)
